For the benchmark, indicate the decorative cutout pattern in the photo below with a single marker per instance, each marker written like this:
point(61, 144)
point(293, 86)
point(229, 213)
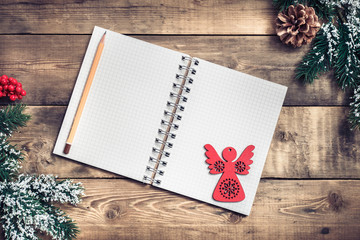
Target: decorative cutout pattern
point(219, 166)
point(240, 166)
point(229, 189)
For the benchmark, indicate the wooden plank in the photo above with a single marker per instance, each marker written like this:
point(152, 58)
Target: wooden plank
point(309, 142)
point(54, 61)
point(293, 209)
point(138, 17)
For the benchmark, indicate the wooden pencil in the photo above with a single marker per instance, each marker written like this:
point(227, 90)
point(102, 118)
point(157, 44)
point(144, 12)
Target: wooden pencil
point(84, 95)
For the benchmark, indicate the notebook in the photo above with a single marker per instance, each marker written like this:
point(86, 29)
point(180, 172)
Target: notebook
point(177, 122)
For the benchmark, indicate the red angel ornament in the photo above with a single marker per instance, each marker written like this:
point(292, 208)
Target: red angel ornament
point(229, 188)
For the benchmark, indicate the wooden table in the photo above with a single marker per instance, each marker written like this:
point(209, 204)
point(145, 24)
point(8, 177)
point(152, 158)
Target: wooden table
point(311, 181)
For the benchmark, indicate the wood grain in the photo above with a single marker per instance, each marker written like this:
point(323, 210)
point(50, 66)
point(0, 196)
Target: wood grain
point(292, 209)
point(137, 16)
point(310, 184)
point(309, 142)
point(48, 65)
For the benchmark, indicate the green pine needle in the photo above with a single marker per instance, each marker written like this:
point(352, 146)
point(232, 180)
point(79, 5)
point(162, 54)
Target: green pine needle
point(10, 159)
point(323, 10)
point(319, 59)
point(12, 117)
point(347, 63)
point(26, 201)
point(281, 5)
point(354, 116)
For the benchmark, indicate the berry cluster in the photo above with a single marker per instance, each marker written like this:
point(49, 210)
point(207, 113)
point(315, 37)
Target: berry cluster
point(11, 87)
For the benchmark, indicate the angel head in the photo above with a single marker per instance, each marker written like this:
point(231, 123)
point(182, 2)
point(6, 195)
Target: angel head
point(229, 154)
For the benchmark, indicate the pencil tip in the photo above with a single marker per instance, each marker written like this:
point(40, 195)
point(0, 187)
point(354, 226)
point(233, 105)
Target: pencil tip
point(103, 37)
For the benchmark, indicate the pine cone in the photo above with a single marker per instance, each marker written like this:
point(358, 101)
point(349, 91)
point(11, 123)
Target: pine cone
point(298, 25)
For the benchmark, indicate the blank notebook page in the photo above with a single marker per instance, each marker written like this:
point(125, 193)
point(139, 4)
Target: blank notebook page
point(225, 108)
point(125, 104)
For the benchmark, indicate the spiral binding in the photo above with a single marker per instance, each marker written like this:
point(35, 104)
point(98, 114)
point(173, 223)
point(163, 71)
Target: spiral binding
point(172, 135)
point(151, 180)
point(178, 117)
point(176, 105)
point(154, 160)
point(195, 61)
point(164, 122)
point(162, 152)
point(168, 144)
point(161, 172)
point(190, 69)
point(181, 97)
point(187, 69)
point(189, 79)
point(176, 85)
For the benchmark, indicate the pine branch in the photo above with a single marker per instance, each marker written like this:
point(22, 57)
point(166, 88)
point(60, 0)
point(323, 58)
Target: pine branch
point(354, 116)
point(10, 159)
point(347, 62)
point(324, 9)
point(281, 5)
point(64, 227)
point(321, 56)
point(25, 212)
point(28, 216)
point(49, 190)
point(12, 117)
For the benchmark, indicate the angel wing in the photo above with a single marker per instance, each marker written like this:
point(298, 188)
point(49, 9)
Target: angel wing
point(243, 162)
point(216, 164)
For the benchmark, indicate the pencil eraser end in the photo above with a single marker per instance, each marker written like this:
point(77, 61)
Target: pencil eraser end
point(67, 148)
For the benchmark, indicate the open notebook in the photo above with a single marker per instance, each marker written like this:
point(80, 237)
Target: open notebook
point(131, 126)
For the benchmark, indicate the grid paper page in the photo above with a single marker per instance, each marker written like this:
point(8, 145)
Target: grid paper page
point(125, 104)
point(225, 108)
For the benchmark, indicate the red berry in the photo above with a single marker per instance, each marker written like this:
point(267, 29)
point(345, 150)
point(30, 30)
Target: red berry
point(13, 82)
point(20, 97)
point(11, 88)
point(1, 94)
point(6, 87)
point(18, 89)
point(19, 84)
point(10, 79)
point(4, 76)
point(1, 88)
point(12, 97)
point(23, 92)
point(3, 81)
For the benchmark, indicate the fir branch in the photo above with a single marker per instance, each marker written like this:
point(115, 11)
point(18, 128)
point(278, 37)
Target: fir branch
point(25, 211)
point(281, 5)
point(12, 117)
point(324, 8)
point(354, 116)
point(319, 59)
point(347, 62)
point(10, 159)
point(50, 190)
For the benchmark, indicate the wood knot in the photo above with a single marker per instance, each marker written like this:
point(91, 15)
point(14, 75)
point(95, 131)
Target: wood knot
point(325, 230)
point(235, 218)
point(336, 201)
point(286, 136)
point(113, 212)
